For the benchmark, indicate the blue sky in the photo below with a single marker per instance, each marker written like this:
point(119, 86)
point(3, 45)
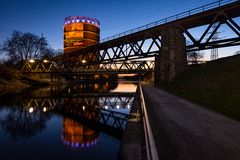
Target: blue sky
point(47, 16)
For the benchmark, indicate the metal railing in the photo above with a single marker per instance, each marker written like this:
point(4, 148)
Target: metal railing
point(200, 9)
point(150, 144)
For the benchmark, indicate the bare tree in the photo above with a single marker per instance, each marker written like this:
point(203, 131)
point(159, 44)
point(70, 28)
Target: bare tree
point(58, 52)
point(194, 57)
point(25, 46)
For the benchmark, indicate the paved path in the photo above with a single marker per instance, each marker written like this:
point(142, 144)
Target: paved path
point(186, 131)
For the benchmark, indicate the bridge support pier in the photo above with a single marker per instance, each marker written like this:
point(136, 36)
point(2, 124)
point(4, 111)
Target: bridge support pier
point(172, 59)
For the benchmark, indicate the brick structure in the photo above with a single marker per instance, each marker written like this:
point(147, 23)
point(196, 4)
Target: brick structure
point(172, 59)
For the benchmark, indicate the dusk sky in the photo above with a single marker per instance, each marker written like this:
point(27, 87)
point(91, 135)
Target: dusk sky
point(47, 16)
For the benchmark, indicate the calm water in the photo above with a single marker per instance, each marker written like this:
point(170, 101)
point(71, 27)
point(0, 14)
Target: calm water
point(67, 122)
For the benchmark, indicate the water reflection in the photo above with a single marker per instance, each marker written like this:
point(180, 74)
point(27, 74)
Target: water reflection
point(74, 115)
point(77, 135)
point(23, 122)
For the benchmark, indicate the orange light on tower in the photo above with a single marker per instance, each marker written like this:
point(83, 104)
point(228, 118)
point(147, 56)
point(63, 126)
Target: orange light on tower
point(80, 32)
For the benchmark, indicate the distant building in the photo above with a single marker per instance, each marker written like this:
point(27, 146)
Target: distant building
point(80, 32)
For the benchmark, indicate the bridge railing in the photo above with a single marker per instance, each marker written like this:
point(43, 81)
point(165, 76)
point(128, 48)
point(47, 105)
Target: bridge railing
point(149, 139)
point(200, 9)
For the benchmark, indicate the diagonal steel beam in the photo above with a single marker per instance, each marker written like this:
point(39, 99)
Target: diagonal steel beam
point(214, 31)
point(236, 31)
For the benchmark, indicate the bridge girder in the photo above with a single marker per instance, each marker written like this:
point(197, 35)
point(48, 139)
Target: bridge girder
point(206, 42)
point(76, 67)
point(132, 46)
point(146, 41)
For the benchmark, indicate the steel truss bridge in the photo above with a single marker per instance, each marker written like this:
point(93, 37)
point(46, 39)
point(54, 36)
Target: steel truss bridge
point(164, 39)
point(145, 41)
point(58, 67)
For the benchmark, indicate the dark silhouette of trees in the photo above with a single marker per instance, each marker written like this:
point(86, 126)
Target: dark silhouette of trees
point(20, 124)
point(25, 46)
point(194, 57)
point(58, 52)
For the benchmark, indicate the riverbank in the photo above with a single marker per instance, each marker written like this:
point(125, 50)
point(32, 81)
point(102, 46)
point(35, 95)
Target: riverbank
point(133, 144)
point(214, 85)
point(11, 80)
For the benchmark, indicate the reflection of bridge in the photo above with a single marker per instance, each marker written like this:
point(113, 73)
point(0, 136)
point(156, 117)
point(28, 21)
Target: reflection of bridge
point(107, 121)
point(101, 111)
point(105, 112)
point(104, 101)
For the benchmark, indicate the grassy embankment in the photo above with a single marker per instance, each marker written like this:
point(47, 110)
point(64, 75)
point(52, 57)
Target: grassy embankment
point(215, 85)
point(11, 80)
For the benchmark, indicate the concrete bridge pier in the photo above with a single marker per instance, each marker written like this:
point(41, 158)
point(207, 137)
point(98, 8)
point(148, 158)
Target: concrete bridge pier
point(172, 59)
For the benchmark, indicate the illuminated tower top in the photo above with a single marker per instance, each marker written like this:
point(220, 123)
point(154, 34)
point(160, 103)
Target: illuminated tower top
point(81, 19)
point(80, 32)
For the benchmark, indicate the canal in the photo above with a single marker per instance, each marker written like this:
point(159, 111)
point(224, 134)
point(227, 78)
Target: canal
point(77, 121)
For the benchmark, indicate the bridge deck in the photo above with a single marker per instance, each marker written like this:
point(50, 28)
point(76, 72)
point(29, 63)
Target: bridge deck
point(191, 21)
point(186, 131)
point(149, 40)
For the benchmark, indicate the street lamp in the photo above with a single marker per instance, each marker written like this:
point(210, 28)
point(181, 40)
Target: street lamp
point(31, 60)
point(44, 109)
point(30, 110)
point(84, 61)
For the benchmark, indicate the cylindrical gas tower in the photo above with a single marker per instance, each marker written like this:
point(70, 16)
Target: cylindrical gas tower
point(80, 32)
